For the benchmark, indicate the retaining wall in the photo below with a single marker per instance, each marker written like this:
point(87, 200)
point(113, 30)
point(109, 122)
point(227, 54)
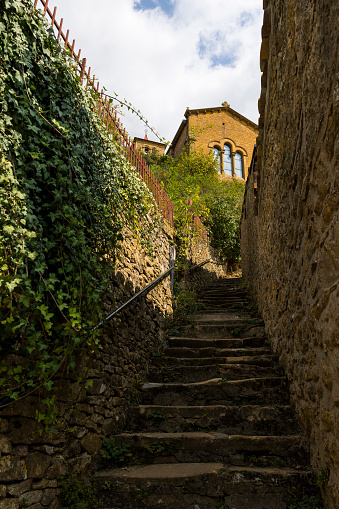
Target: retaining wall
point(30, 459)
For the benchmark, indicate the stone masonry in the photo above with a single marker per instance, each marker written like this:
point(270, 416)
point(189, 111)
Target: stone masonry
point(290, 223)
point(213, 127)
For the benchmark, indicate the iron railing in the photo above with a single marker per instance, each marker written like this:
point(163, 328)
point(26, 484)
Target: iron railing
point(146, 290)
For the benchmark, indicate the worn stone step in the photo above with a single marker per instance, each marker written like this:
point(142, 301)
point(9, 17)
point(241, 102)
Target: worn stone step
point(224, 298)
point(224, 319)
point(206, 485)
point(185, 374)
point(239, 450)
point(235, 328)
point(215, 352)
point(217, 342)
point(258, 360)
point(234, 420)
point(217, 391)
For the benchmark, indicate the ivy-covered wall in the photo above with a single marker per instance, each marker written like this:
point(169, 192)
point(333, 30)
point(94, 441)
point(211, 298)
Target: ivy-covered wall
point(32, 460)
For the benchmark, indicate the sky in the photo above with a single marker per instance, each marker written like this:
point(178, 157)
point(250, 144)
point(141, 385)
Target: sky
point(163, 56)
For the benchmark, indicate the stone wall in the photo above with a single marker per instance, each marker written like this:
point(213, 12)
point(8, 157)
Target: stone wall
point(199, 274)
point(215, 127)
point(290, 224)
point(30, 459)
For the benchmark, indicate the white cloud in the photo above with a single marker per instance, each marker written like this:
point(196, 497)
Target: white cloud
point(199, 55)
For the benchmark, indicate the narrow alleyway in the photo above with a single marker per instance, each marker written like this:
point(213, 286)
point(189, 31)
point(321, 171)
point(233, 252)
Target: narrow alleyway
point(213, 427)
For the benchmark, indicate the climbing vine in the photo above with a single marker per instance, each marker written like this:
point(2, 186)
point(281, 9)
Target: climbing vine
point(66, 193)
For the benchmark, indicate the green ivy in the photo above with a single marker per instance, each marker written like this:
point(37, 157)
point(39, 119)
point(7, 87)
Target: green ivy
point(66, 193)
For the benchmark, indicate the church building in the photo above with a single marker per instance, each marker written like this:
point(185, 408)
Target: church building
point(227, 133)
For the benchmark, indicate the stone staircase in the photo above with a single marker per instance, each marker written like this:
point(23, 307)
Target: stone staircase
point(213, 427)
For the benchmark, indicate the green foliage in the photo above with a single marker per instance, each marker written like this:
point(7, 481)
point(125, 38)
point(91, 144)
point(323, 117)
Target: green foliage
point(223, 381)
point(66, 192)
point(185, 179)
point(118, 455)
point(185, 304)
point(323, 477)
point(307, 502)
point(156, 416)
point(78, 493)
point(192, 182)
point(225, 206)
point(161, 447)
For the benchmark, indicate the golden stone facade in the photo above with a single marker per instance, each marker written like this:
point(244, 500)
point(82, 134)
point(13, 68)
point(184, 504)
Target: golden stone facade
point(147, 146)
point(227, 133)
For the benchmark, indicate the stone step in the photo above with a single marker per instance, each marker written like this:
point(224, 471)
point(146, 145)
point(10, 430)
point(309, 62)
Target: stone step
point(218, 343)
point(215, 307)
point(202, 486)
point(185, 374)
point(225, 318)
point(220, 297)
point(234, 420)
point(215, 352)
point(217, 391)
point(238, 450)
point(258, 360)
point(235, 328)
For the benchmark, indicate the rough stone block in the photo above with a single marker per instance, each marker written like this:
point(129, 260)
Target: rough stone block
point(5, 445)
point(37, 464)
point(9, 504)
point(12, 469)
point(48, 496)
point(80, 465)
point(3, 425)
point(30, 497)
point(91, 443)
point(18, 489)
point(266, 27)
point(59, 467)
point(45, 483)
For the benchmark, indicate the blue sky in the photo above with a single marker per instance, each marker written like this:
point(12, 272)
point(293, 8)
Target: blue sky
point(167, 6)
point(165, 55)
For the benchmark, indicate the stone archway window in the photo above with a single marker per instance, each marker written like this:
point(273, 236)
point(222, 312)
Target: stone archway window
point(227, 160)
point(216, 155)
point(239, 165)
point(146, 149)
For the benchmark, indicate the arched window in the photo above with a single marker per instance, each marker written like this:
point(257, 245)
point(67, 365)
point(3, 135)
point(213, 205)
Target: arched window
point(227, 160)
point(216, 155)
point(146, 150)
point(239, 165)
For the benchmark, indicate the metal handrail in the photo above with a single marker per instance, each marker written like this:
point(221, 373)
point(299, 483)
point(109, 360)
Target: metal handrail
point(147, 289)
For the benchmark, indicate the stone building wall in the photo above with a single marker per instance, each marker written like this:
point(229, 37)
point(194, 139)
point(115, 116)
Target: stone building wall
point(213, 127)
point(148, 146)
point(290, 225)
point(30, 462)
